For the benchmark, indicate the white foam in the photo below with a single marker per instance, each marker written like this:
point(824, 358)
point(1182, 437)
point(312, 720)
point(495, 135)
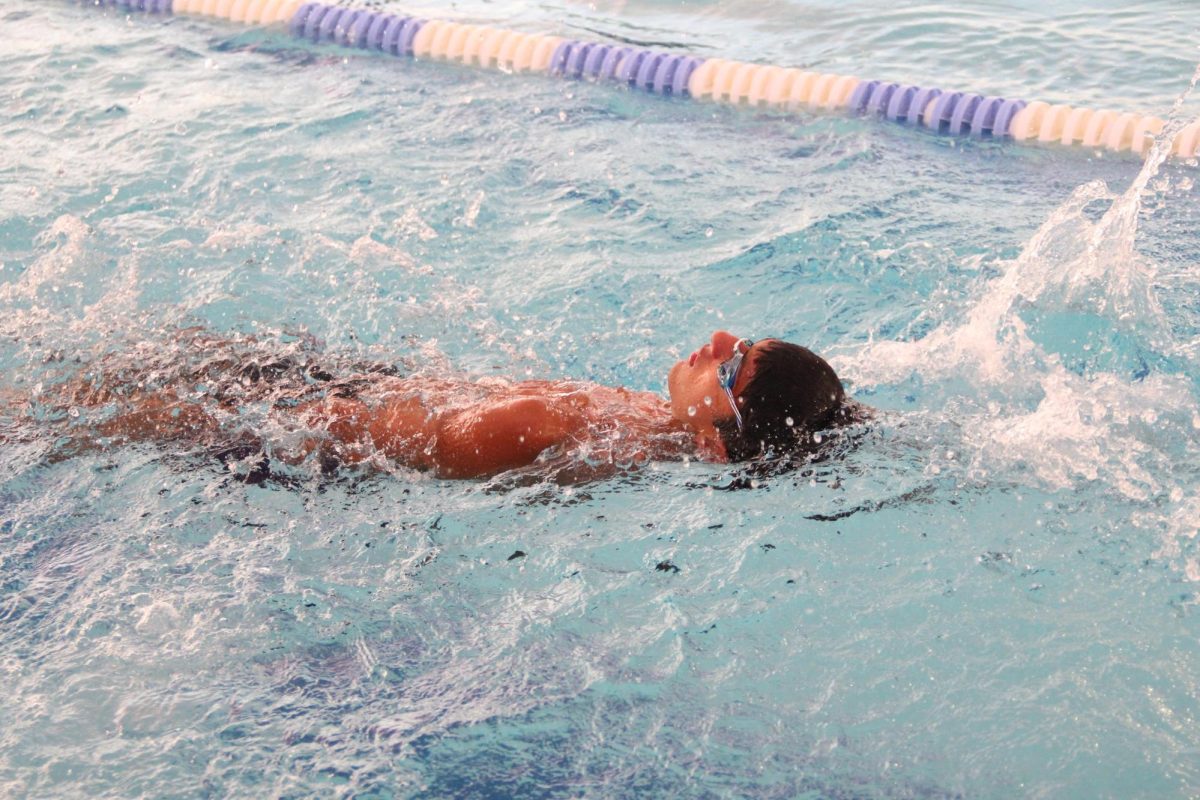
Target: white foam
point(66, 236)
point(1023, 411)
point(1178, 544)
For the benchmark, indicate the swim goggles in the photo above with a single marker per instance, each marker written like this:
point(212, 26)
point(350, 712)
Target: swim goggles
point(727, 374)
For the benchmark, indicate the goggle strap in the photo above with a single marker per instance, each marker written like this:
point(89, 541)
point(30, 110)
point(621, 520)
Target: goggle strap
point(737, 415)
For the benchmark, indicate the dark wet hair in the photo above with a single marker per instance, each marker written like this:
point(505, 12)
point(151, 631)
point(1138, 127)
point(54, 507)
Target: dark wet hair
point(792, 395)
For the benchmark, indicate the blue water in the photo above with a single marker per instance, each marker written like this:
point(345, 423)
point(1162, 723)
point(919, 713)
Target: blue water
point(994, 595)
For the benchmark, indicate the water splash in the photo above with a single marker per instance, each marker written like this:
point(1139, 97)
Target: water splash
point(1062, 417)
point(28, 299)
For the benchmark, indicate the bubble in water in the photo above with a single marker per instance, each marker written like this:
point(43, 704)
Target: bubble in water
point(74, 412)
point(691, 411)
point(708, 232)
point(818, 438)
point(790, 422)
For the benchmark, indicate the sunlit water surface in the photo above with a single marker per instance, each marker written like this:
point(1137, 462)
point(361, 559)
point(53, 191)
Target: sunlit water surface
point(994, 595)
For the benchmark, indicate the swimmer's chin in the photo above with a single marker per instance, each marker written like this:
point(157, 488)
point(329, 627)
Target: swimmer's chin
point(672, 391)
point(673, 376)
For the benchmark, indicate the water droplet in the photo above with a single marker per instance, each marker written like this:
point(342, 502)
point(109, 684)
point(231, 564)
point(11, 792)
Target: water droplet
point(818, 438)
point(707, 400)
point(708, 232)
point(521, 438)
point(790, 422)
point(691, 411)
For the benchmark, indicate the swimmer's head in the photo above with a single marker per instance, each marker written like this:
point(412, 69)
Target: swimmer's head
point(783, 394)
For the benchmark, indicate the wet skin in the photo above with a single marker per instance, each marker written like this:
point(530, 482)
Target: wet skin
point(425, 425)
point(696, 394)
point(461, 429)
point(516, 422)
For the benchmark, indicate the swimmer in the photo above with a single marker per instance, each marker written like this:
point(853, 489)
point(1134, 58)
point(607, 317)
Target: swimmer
point(732, 400)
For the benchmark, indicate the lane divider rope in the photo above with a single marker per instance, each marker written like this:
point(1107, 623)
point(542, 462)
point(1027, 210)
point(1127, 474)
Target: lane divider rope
point(680, 75)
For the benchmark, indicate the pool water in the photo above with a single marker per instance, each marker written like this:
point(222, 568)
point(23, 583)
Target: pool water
point(993, 595)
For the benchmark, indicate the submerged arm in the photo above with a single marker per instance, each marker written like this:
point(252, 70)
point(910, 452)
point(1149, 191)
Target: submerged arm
point(157, 418)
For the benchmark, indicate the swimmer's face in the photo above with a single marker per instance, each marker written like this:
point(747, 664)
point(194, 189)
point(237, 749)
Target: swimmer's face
point(697, 399)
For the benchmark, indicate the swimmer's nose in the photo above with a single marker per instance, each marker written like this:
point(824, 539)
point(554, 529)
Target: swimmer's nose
point(723, 343)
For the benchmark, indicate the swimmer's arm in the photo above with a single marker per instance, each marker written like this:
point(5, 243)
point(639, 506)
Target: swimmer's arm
point(159, 418)
point(352, 432)
point(494, 437)
point(477, 441)
point(346, 423)
point(147, 419)
point(14, 403)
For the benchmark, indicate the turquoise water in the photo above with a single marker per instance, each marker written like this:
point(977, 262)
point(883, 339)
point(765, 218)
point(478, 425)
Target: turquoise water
point(993, 596)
